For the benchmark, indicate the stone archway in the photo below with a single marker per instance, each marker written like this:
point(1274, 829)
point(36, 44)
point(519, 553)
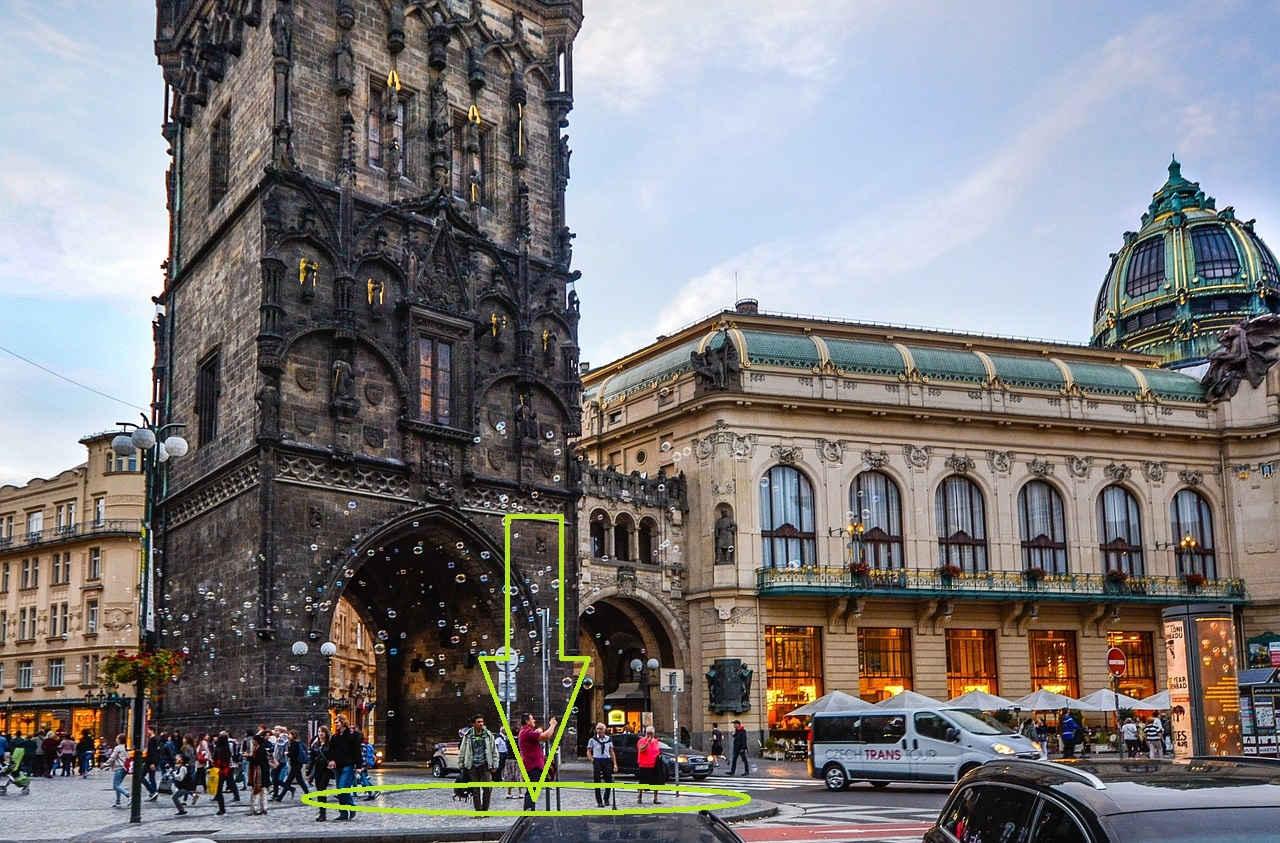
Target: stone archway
point(428, 587)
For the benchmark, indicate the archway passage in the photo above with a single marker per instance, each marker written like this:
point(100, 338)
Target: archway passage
point(614, 632)
point(429, 592)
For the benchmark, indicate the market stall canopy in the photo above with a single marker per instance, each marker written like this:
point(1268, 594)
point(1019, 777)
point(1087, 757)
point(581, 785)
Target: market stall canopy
point(1156, 702)
point(834, 701)
point(982, 701)
point(910, 700)
point(1043, 700)
point(1105, 700)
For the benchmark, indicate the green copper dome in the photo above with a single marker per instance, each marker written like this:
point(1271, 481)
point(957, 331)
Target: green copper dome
point(1185, 276)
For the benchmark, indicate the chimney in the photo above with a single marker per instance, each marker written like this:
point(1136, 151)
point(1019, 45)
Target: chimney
point(747, 307)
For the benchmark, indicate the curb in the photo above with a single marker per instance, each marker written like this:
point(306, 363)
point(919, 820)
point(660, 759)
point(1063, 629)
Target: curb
point(756, 810)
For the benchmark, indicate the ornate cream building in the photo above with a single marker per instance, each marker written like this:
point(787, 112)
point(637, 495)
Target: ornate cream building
point(68, 570)
point(874, 508)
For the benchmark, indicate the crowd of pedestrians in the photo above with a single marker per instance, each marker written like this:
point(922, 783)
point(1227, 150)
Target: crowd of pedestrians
point(51, 753)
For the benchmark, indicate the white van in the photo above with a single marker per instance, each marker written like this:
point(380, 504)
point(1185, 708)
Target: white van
point(907, 745)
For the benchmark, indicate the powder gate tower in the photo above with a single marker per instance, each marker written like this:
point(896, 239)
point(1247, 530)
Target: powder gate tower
point(370, 330)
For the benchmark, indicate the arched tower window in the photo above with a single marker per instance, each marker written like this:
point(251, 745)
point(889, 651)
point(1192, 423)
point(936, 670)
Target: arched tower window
point(1043, 528)
point(962, 524)
point(1215, 253)
point(877, 514)
point(1192, 521)
point(599, 529)
point(623, 527)
point(1120, 531)
point(786, 518)
point(1146, 267)
point(645, 540)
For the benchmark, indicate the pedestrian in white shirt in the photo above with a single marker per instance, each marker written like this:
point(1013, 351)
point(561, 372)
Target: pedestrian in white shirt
point(1154, 733)
point(1129, 734)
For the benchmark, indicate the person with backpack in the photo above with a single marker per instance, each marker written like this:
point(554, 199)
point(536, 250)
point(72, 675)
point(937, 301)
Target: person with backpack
point(119, 763)
point(184, 782)
point(367, 762)
point(298, 757)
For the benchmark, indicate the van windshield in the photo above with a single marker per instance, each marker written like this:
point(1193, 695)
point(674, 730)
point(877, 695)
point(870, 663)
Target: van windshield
point(977, 723)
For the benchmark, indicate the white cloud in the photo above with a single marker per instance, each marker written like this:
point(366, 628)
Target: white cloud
point(876, 253)
point(630, 51)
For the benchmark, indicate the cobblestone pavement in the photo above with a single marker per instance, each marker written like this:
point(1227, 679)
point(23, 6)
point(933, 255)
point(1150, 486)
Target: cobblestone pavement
point(80, 811)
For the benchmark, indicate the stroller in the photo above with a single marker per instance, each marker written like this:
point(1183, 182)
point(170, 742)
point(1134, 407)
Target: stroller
point(12, 773)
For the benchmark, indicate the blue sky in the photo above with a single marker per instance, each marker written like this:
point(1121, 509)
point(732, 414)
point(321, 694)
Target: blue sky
point(954, 165)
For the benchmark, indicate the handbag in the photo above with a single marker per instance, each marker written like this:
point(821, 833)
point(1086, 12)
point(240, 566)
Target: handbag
point(211, 780)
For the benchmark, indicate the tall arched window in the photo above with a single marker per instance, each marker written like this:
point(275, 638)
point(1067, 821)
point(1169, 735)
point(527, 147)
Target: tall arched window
point(877, 507)
point(1044, 531)
point(645, 540)
point(1193, 534)
point(622, 529)
point(786, 518)
point(962, 524)
point(599, 526)
point(1120, 531)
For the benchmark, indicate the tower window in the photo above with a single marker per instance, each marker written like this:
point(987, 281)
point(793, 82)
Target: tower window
point(381, 135)
point(1146, 267)
point(208, 388)
point(1266, 259)
point(435, 380)
point(1215, 253)
point(219, 157)
point(465, 163)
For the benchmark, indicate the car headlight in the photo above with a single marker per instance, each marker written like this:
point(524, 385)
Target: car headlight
point(1036, 746)
point(683, 759)
point(1003, 748)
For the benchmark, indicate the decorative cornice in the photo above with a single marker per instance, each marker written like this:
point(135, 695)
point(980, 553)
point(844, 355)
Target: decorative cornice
point(230, 484)
point(325, 474)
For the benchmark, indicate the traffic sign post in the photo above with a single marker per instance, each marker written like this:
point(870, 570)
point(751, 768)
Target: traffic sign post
point(672, 681)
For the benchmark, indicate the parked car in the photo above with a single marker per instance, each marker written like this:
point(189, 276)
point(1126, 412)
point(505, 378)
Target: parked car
point(702, 827)
point(693, 764)
point(1226, 800)
point(445, 760)
point(908, 745)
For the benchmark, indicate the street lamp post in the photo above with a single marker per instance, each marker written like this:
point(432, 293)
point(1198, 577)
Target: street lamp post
point(146, 439)
point(643, 669)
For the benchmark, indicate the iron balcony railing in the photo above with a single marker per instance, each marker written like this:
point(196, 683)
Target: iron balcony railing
point(991, 585)
point(72, 532)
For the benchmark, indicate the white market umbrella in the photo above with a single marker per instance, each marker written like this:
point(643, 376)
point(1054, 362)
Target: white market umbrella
point(982, 701)
point(1105, 700)
point(1043, 700)
point(1156, 702)
point(910, 700)
point(834, 701)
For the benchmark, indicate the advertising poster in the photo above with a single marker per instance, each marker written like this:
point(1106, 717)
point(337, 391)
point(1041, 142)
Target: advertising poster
point(1219, 691)
point(1248, 735)
point(1264, 716)
point(1179, 688)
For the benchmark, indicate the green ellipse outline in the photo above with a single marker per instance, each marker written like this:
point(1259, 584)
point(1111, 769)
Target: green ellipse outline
point(737, 799)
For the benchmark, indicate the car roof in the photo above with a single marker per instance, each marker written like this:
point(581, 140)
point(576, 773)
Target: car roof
point(702, 827)
point(1126, 785)
point(876, 711)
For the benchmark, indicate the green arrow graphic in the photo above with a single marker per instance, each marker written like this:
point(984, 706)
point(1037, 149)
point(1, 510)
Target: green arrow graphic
point(503, 654)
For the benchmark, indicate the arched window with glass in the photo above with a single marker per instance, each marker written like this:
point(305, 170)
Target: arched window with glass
point(1120, 532)
point(876, 523)
point(1043, 528)
point(1192, 521)
point(786, 518)
point(962, 524)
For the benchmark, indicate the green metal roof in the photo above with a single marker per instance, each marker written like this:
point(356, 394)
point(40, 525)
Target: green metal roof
point(793, 350)
point(872, 358)
point(948, 365)
point(637, 377)
point(1034, 372)
point(1103, 378)
point(1174, 385)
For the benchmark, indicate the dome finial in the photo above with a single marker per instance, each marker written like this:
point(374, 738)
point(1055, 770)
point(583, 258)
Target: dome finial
point(1175, 169)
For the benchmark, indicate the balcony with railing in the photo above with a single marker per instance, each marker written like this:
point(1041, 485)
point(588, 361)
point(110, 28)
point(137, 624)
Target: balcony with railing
point(815, 581)
point(72, 532)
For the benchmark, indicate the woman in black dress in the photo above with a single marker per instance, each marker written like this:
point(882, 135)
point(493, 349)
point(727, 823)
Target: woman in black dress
point(319, 773)
point(259, 775)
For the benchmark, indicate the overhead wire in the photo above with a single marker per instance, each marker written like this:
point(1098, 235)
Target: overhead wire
point(72, 381)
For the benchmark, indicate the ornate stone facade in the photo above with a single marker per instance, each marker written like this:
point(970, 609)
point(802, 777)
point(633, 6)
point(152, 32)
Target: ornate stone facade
point(385, 304)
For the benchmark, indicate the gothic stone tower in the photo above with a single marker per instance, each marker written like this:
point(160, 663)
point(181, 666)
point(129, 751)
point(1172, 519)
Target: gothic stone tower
point(370, 331)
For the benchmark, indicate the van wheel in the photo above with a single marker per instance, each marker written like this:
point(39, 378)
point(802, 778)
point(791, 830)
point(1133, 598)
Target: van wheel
point(964, 771)
point(835, 777)
point(880, 785)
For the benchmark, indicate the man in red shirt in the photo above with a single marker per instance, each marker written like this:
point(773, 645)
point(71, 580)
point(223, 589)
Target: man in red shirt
point(529, 742)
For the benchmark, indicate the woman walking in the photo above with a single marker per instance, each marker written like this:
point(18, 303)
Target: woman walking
point(66, 754)
point(222, 762)
point(649, 760)
point(259, 775)
point(320, 773)
point(84, 752)
point(118, 764)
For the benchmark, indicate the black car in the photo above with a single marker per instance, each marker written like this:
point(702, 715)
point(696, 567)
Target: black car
point(1227, 800)
point(702, 827)
point(693, 764)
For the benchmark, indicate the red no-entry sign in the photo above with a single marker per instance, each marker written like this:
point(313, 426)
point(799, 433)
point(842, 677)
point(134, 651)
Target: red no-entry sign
point(1117, 663)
